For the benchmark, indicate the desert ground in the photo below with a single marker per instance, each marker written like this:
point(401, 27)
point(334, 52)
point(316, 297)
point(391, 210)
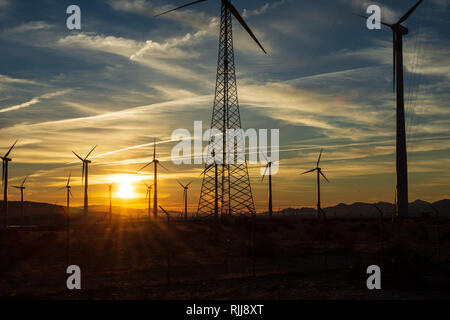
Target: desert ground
point(227, 258)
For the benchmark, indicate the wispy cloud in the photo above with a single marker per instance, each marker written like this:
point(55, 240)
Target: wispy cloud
point(30, 26)
point(266, 7)
point(6, 79)
point(34, 101)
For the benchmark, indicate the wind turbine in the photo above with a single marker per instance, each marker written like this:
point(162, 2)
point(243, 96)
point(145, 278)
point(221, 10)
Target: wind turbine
point(148, 195)
point(398, 31)
point(269, 167)
point(156, 162)
point(84, 175)
point(5, 161)
point(21, 187)
point(320, 212)
point(185, 195)
point(110, 186)
point(68, 192)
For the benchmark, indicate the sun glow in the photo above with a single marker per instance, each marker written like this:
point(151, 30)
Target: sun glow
point(125, 191)
point(124, 185)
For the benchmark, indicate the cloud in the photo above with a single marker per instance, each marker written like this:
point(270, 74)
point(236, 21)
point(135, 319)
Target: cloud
point(266, 7)
point(187, 16)
point(159, 56)
point(35, 101)
point(6, 79)
point(30, 26)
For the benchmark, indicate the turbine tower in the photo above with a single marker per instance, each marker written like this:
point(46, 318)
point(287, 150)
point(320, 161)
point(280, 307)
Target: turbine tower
point(110, 186)
point(21, 187)
point(185, 195)
point(234, 183)
point(320, 212)
point(5, 161)
point(84, 175)
point(155, 162)
point(269, 167)
point(148, 195)
point(398, 31)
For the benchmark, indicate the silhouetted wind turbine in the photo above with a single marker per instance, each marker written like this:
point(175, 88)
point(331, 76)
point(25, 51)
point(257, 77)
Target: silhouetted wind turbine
point(185, 195)
point(68, 192)
point(5, 161)
point(156, 162)
point(269, 167)
point(398, 31)
point(84, 175)
point(320, 212)
point(21, 187)
point(148, 195)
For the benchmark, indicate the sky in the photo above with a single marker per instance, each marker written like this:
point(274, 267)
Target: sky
point(127, 76)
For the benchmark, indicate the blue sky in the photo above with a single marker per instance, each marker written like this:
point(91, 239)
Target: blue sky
point(126, 77)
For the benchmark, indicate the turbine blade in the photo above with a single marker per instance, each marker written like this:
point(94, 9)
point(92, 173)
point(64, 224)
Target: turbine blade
point(163, 167)
point(154, 148)
point(70, 192)
point(180, 7)
point(264, 156)
point(146, 185)
point(320, 155)
point(145, 166)
point(17, 187)
point(189, 184)
point(90, 152)
point(309, 171)
point(410, 11)
point(146, 194)
point(6, 155)
point(3, 173)
point(68, 180)
point(180, 184)
point(243, 23)
point(320, 171)
point(394, 58)
point(78, 156)
point(265, 171)
point(366, 17)
point(23, 182)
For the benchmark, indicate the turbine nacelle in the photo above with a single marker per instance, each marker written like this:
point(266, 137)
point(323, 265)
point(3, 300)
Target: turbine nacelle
point(398, 28)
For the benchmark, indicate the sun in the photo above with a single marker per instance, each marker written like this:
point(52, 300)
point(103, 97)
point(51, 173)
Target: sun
point(125, 191)
point(124, 185)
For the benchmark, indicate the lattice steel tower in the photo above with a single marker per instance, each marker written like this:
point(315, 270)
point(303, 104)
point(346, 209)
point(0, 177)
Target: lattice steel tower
point(226, 187)
point(235, 192)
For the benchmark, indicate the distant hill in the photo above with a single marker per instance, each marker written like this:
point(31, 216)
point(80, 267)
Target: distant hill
point(418, 208)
